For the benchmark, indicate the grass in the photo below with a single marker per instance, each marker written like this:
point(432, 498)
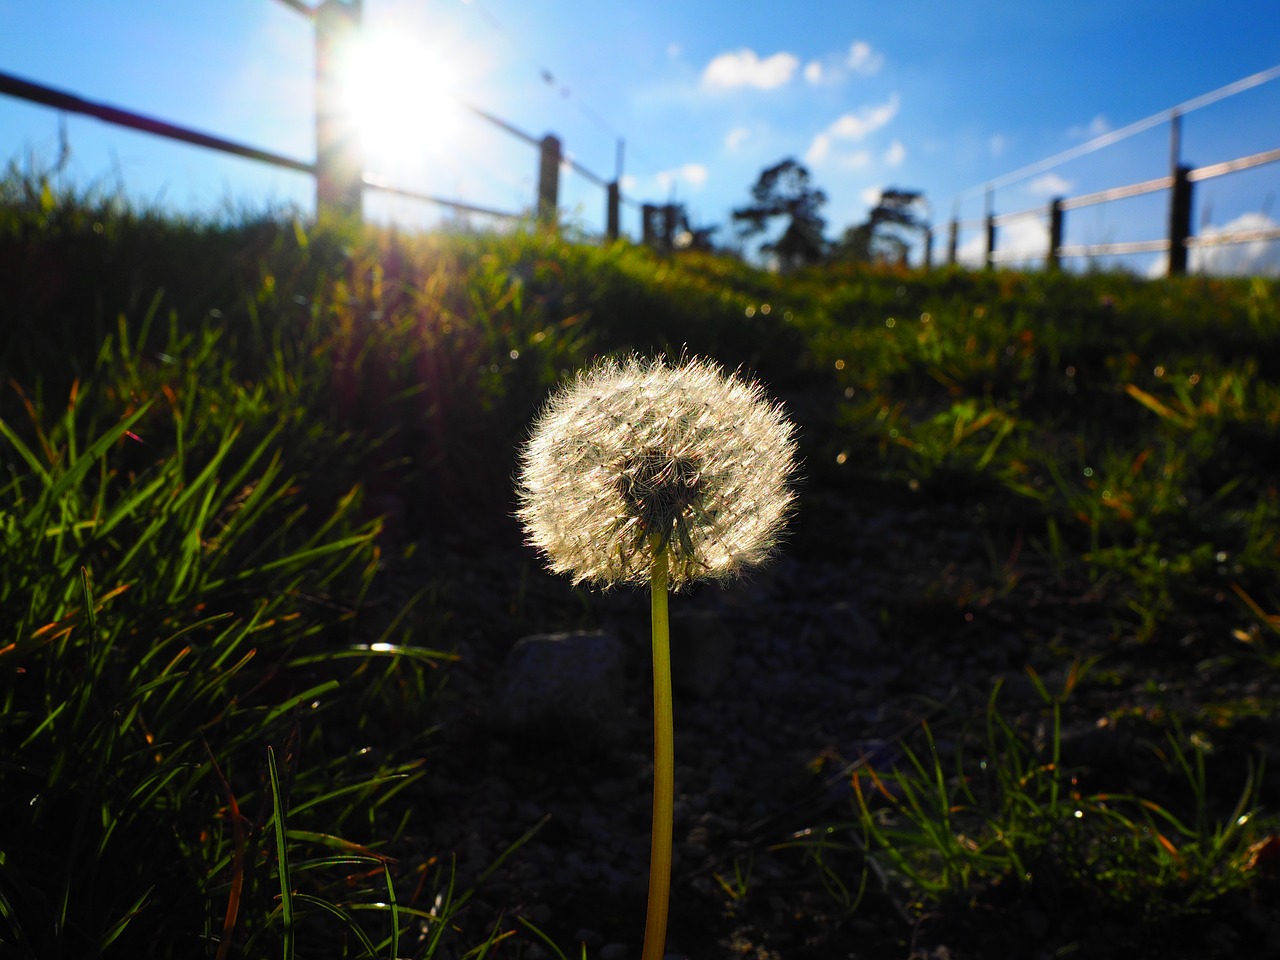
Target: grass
point(215, 439)
point(1013, 830)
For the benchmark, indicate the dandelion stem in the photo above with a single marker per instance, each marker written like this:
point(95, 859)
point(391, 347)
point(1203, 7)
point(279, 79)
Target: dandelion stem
point(655, 931)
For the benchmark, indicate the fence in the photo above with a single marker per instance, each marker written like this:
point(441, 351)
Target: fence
point(338, 168)
point(1179, 239)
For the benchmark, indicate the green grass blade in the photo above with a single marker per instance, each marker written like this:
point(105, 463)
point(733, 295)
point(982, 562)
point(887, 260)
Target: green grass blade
point(119, 926)
point(282, 857)
point(394, 950)
point(312, 693)
point(348, 921)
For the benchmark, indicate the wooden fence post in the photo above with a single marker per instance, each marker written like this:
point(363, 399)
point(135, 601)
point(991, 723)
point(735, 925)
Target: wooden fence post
point(668, 226)
point(548, 180)
point(1054, 259)
point(611, 211)
point(1179, 221)
point(339, 164)
point(991, 240)
point(953, 239)
point(646, 224)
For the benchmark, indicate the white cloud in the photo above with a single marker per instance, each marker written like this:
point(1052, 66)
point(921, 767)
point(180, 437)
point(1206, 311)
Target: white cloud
point(694, 174)
point(862, 59)
point(856, 126)
point(1025, 240)
point(673, 50)
point(735, 137)
point(1050, 185)
point(855, 160)
point(834, 68)
point(996, 144)
point(819, 149)
point(1251, 258)
point(871, 196)
point(744, 68)
point(970, 253)
point(627, 183)
point(896, 153)
point(1094, 128)
point(852, 127)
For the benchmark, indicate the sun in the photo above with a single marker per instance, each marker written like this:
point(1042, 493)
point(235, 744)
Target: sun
point(399, 91)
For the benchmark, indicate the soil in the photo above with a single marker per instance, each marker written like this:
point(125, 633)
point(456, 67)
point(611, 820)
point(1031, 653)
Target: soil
point(882, 614)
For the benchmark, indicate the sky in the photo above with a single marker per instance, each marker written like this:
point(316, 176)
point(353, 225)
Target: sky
point(689, 100)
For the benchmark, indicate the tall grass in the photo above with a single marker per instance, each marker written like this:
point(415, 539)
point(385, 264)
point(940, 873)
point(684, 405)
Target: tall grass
point(213, 436)
point(185, 553)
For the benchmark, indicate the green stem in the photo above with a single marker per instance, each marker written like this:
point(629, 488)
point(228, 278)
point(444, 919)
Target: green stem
point(655, 931)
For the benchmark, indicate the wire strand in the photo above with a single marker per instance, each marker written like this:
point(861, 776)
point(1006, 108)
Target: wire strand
point(1115, 136)
point(551, 79)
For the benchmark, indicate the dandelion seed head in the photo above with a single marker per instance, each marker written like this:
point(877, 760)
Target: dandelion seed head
point(635, 455)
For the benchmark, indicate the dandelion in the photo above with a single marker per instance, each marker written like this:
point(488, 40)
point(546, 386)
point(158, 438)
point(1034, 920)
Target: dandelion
point(640, 472)
point(636, 458)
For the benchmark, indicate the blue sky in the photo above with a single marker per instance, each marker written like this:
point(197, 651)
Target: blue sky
point(940, 97)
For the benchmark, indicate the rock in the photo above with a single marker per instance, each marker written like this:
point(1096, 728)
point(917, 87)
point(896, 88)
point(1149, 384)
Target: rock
point(701, 653)
point(564, 688)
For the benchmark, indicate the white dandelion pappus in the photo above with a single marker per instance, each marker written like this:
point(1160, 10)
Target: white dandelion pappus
point(634, 455)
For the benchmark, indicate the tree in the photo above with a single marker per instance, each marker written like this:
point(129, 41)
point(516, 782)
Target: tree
point(877, 239)
point(669, 227)
point(901, 209)
point(854, 244)
point(784, 190)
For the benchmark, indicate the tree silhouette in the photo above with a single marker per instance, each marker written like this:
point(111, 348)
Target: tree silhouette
point(876, 239)
point(784, 190)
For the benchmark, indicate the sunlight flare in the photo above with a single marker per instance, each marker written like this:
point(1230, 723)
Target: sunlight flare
point(399, 90)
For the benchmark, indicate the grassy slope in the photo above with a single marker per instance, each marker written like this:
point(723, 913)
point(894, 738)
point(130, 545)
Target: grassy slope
point(189, 537)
